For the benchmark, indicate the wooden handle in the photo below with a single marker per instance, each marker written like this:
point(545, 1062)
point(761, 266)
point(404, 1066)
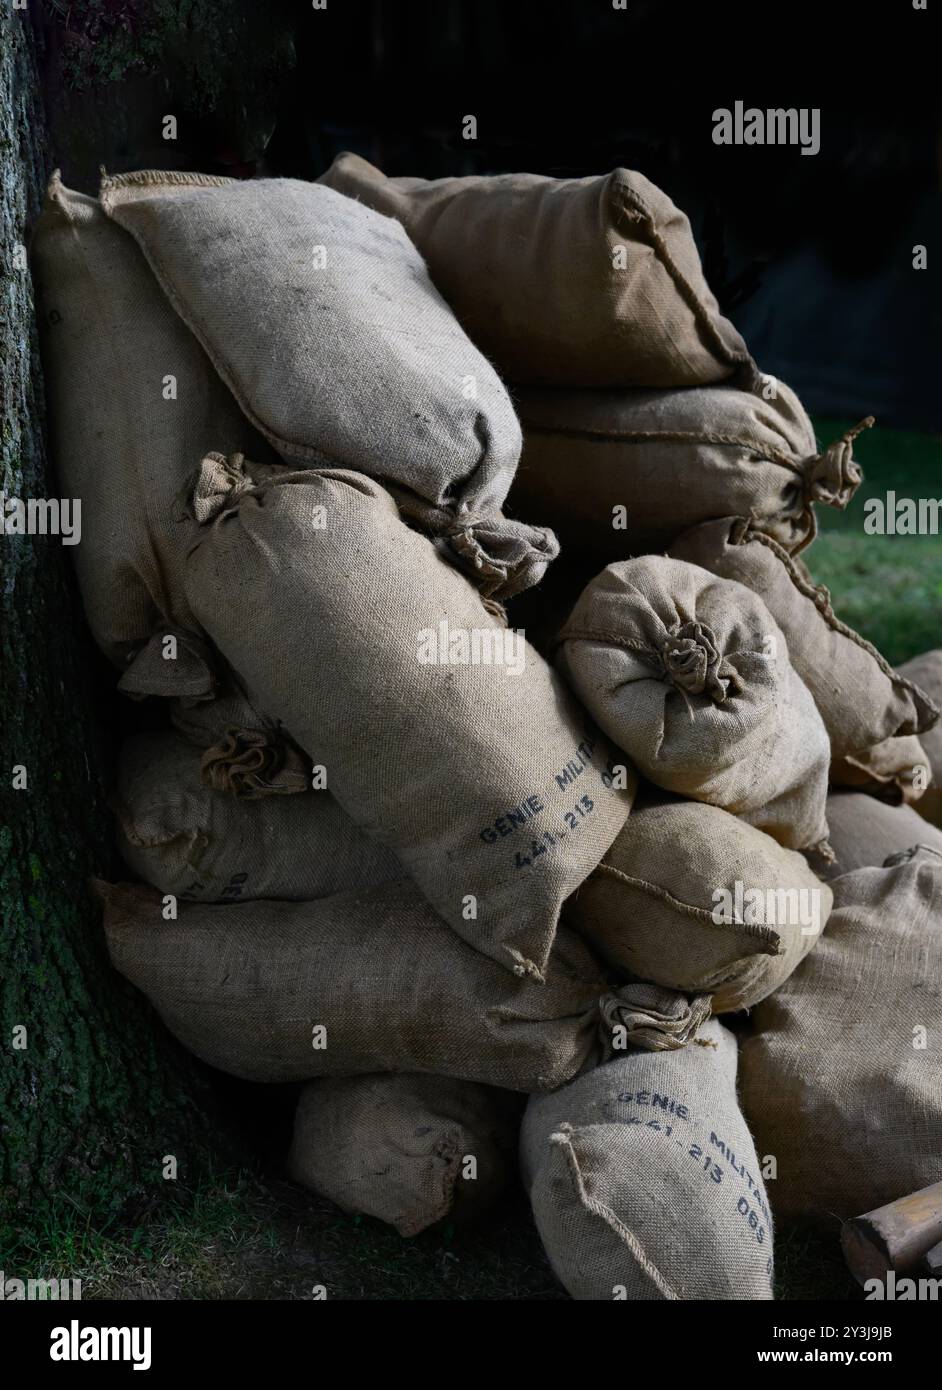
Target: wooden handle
point(897, 1236)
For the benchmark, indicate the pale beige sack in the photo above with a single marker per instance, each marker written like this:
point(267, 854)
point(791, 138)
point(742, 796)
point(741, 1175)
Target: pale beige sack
point(409, 1150)
point(620, 473)
point(320, 317)
point(926, 671)
point(564, 282)
point(842, 1077)
point(862, 700)
point(645, 1182)
point(895, 770)
point(134, 404)
point(206, 845)
point(690, 676)
point(442, 733)
point(865, 831)
point(372, 981)
point(695, 899)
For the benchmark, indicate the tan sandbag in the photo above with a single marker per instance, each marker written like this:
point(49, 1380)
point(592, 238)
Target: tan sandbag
point(842, 1078)
point(644, 1179)
point(695, 899)
point(409, 1150)
point(134, 404)
point(619, 473)
point(566, 282)
point(484, 776)
point(371, 981)
point(865, 831)
point(861, 698)
point(208, 845)
point(926, 671)
point(894, 770)
point(690, 676)
point(320, 317)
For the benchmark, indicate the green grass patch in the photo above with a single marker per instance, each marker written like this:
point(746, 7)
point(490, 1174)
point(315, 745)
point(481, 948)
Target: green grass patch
point(889, 588)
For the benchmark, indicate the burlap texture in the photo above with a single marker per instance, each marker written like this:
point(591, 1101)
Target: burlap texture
point(926, 672)
point(486, 781)
point(571, 282)
point(208, 845)
point(340, 350)
point(652, 907)
point(620, 473)
point(861, 698)
point(842, 1080)
point(398, 1148)
point(134, 404)
point(690, 676)
point(892, 770)
point(371, 981)
point(645, 1182)
point(865, 831)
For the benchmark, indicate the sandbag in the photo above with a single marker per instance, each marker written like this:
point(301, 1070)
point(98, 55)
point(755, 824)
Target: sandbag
point(645, 1182)
point(690, 676)
point(862, 700)
point(926, 671)
point(207, 845)
point(320, 316)
point(409, 1150)
point(864, 832)
point(619, 473)
point(485, 777)
point(371, 981)
point(894, 770)
point(842, 1078)
point(565, 282)
point(134, 404)
point(695, 899)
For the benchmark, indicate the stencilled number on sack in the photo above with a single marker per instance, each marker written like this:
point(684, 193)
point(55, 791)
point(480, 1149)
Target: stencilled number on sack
point(233, 888)
point(714, 1169)
point(574, 818)
point(745, 1210)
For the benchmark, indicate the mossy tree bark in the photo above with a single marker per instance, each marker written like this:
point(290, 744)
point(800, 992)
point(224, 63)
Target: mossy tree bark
point(92, 1094)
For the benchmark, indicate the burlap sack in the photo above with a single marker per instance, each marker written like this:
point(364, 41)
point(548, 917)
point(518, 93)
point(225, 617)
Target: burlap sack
point(861, 698)
point(842, 1080)
point(926, 671)
point(645, 1182)
point(620, 473)
point(864, 832)
point(372, 981)
point(134, 404)
point(695, 899)
point(211, 846)
point(690, 676)
point(894, 770)
point(485, 778)
point(320, 316)
point(408, 1150)
point(567, 282)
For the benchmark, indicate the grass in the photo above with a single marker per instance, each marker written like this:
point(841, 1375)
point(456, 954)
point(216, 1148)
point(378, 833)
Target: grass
point(887, 587)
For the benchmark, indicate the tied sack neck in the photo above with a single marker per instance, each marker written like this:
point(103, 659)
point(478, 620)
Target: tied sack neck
point(691, 660)
point(651, 1017)
point(502, 557)
point(831, 477)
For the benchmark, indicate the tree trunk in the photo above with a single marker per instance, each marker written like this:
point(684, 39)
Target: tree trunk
point(93, 1095)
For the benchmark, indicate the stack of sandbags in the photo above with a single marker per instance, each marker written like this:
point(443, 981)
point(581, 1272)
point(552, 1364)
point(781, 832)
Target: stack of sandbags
point(390, 851)
point(842, 1074)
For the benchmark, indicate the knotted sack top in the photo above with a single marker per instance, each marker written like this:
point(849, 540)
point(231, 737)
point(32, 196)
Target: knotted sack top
point(690, 675)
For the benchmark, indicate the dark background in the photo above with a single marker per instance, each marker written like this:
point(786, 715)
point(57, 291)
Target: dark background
point(810, 256)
